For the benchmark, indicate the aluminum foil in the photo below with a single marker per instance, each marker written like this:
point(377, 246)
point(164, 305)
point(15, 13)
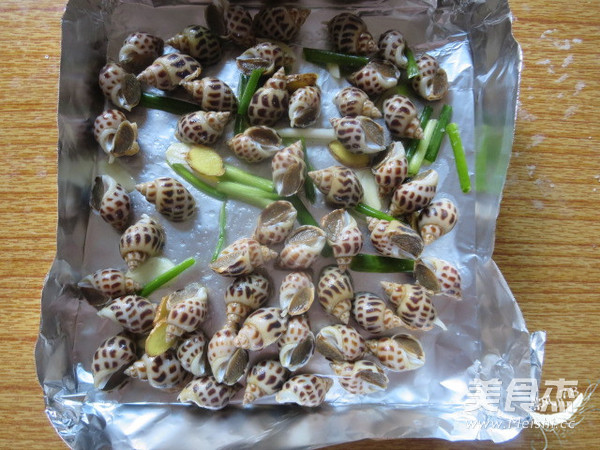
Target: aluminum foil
point(486, 337)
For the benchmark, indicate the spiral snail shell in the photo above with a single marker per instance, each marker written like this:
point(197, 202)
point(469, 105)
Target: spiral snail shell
point(255, 144)
point(275, 222)
point(350, 35)
point(398, 353)
point(262, 328)
point(201, 127)
point(340, 343)
point(305, 390)
point(139, 50)
point(122, 88)
point(288, 169)
point(391, 171)
point(371, 313)
point(437, 219)
point(110, 360)
point(265, 378)
point(186, 308)
point(281, 23)
point(394, 239)
point(211, 94)
point(132, 312)
point(170, 197)
point(270, 102)
point(242, 257)
point(302, 247)
point(360, 377)
point(141, 240)
point(162, 372)
point(110, 282)
point(343, 235)
point(111, 201)
point(266, 56)
point(401, 117)
point(413, 304)
point(391, 47)
point(296, 344)
point(227, 362)
point(296, 293)
point(116, 135)
point(340, 186)
point(305, 106)
point(352, 102)
point(376, 77)
point(432, 81)
point(335, 292)
point(359, 134)
point(206, 392)
point(191, 353)
point(231, 22)
point(167, 71)
point(439, 276)
point(244, 295)
point(198, 42)
point(415, 194)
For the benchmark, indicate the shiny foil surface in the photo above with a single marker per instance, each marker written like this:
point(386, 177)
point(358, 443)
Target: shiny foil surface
point(486, 334)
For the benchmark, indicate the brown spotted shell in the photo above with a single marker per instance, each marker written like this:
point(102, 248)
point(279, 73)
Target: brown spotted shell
point(121, 87)
point(201, 127)
point(305, 106)
point(394, 239)
point(111, 201)
point(265, 378)
point(170, 197)
point(432, 81)
point(198, 42)
point(255, 144)
point(116, 135)
point(340, 343)
point(335, 292)
point(415, 194)
point(275, 222)
point(211, 94)
point(350, 35)
point(141, 240)
point(371, 313)
point(166, 72)
point(401, 117)
point(262, 328)
point(270, 102)
point(280, 23)
point(439, 276)
point(302, 247)
point(296, 344)
point(305, 390)
point(231, 22)
point(227, 362)
point(296, 293)
point(375, 78)
point(242, 257)
point(437, 219)
point(139, 50)
point(352, 102)
point(132, 312)
point(391, 171)
point(267, 56)
point(398, 353)
point(245, 294)
point(288, 168)
point(359, 135)
point(206, 392)
point(391, 47)
point(343, 235)
point(413, 304)
point(187, 308)
point(110, 359)
point(110, 282)
point(340, 186)
point(162, 372)
point(360, 377)
point(191, 353)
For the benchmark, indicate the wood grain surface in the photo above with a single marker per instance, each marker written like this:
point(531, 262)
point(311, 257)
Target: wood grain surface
point(547, 236)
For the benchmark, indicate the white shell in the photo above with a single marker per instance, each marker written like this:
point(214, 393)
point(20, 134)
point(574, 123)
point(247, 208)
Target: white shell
point(207, 393)
point(116, 135)
point(305, 390)
point(265, 378)
point(192, 354)
point(275, 222)
point(289, 169)
point(360, 377)
point(261, 329)
point(296, 344)
point(227, 362)
point(296, 294)
point(305, 106)
point(341, 343)
point(302, 248)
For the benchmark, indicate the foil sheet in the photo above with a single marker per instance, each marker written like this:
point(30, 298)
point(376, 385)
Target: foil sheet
point(486, 337)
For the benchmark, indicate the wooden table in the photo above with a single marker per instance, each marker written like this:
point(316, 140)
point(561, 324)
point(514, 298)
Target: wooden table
point(547, 236)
